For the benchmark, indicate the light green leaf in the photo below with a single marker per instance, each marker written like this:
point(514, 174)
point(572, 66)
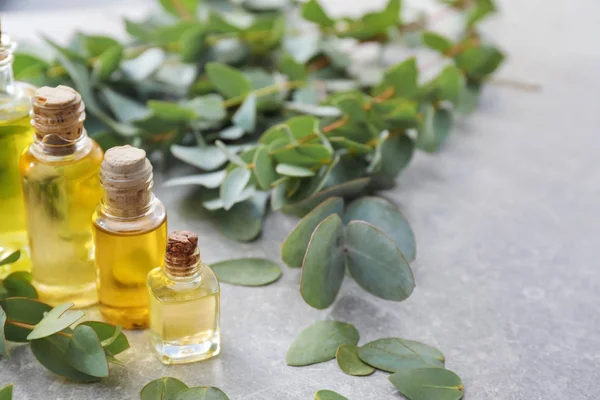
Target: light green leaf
point(294, 70)
point(396, 354)
point(22, 310)
point(209, 107)
point(435, 128)
point(207, 158)
point(230, 154)
point(113, 340)
point(233, 185)
point(180, 8)
point(294, 247)
point(312, 11)
point(124, 108)
point(85, 352)
point(171, 111)
point(311, 109)
point(385, 216)
point(403, 78)
point(245, 116)
point(3, 348)
point(349, 362)
point(51, 352)
point(328, 395)
point(8, 257)
point(428, 384)
point(162, 389)
point(323, 266)
point(247, 271)
point(319, 342)
point(210, 180)
point(243, 222)
point(107, 63)
point(231, 133)
point(6, 392)
point(192, 44)
point(376, 263)
point(228, 81)
point(141, 67)
point(263, 168)
point(468, 98)
point(437, 42)
point(201, 393)
point(294, 170)
point(218, 204)
point(55, 320)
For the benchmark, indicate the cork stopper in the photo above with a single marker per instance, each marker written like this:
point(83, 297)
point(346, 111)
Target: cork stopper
point(182, 255)
point(57, 115)
point(126, 176)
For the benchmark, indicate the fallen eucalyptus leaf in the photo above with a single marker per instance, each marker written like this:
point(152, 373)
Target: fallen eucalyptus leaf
point(162, 389)
point(294, 247)
point(209, 180)
point(55, 320)
point(396, 354)
point(51, 352)
point(328, 395)
point(85, 352)
point(324, 263)
point(25, 311)
point(319, 342)
point(201, 393)
point(376, 263)
point(247, 271)
point(349, 362)
point(428, 384)
point(6, 392)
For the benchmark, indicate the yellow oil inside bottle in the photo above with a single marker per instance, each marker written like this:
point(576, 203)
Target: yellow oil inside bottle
point(15, 135)
point(61, 194)
point(123, 261)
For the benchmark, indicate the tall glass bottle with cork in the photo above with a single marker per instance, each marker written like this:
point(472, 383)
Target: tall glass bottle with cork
point(15, 134)
point(59, 172)
point(130, 233)
point(184, 304)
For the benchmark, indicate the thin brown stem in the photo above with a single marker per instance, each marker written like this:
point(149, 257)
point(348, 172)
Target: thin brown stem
point(267, 90)
point(32, 327)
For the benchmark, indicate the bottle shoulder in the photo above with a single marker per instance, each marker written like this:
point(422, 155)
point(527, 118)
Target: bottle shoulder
point(85, 161)
point(155, 218)
point(165, 289)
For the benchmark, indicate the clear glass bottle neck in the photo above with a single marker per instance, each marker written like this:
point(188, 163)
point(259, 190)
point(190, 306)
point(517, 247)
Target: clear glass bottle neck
point(7, 79)
point(54, 148)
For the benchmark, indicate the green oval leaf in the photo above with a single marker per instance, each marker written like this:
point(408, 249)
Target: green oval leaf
point(55, 320)
point(141, 67)
point(233, 185)
point(319, 342)
point(27, 311)
point(245, 116)
point(171, 111)
point(247, 271)
point(107, 63)
point(385, 216)
point(124, 108)
point(294, 171)
point(207, 158)
point(323, 265)
point(435, 128)
point(263, 168)
point(85, 352)
point(6, 392)
point(16, 287)
point(162, 389)
point(8, 257)
point(243, 222)
point(395, 354)
point(180, 8)
point(437, 42)
point(294, 247)
point(229, 81)
point(210, 180)
point(376, 263)
point(202, 393)
point(328, 395)
point(349, 362)
point(112, 339)
point(51, 352)
point(312, 11)
point(3, 348)
point(428, 384)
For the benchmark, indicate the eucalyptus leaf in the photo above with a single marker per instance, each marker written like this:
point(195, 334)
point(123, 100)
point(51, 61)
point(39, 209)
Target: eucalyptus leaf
point(162, 389)
point(144, 65)
point(319, 342)
point(294, 170)
point(323, 266)
point(328, 395)
point(386, 217)
point(437, 42)
point(124, 108)
point(402, 78)
point(207, 158)
point(108, 63)
point(17, 287)
point(6, 392)
point(435, 128)
point(263, 168)
point(312, 11)
point(428, 384)
point(349, 362)
point(397, 354)
point(85, 352)
point(55, 320)
point(245, 116)
point(3, 348)
point(22, 310)
point(201, 393)
point(231, 133)
point(171, 111)
point(294, 247)
point(180, 8)
point(209, 107)
point(228, 81)
point(376, 263)
point(218, 203)
point(233, 185)
point(247, 271)
point(8, 257)
point(230, 154)
point(243, 222)
point(311, 109)
point(51, 352)
point(113, 340)
point(210, 180)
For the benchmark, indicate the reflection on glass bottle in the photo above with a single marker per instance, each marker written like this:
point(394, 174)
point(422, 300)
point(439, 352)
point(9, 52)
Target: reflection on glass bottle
point(184, 304)
point(59, 172)
point(130, 235)
point(15, 134)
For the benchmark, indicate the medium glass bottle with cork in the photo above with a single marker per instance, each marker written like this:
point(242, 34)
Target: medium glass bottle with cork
point(184, 304)
point(130, 234)
point(59, 172)
point(15, 134)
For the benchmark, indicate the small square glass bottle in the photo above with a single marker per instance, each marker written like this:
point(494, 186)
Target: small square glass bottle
point(184, 304)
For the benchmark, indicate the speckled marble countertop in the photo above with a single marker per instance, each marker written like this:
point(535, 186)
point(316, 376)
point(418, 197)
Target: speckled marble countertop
point(506, 219)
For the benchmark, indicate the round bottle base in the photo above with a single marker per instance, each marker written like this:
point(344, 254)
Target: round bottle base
point(185, 351)
point(127, 318)
point(81, 296)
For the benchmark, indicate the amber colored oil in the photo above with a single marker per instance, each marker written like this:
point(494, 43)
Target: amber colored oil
point(123, 260)
point(15, 135)
point(184, 316)
point(61, 194)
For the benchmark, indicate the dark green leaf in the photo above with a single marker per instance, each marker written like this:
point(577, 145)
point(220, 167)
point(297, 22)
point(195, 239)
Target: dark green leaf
point(450, 83)
point(304, 155)
point(97, 45)
point(27, 311)
point(201, 393)
point(263, 168)
point(482, 9)
point(247, 271)
point(162, 389)
point(376, 263)
point(3, 348)
point(107, 63)
point(386, 217)
point(402, 78)
point(428, 384)
point(85, 352)
point(51, 352)
point(319, 342)
point(192, 44)
point(396, 354)
point(228, 81)
point(312, 11)
point(180, 8)
point(353, 147)
point(245, 116)
point(244, 221)
point(434, 129)
point(8, 257)
point(294, 70)
point(323, 265)
point(17, 287)
point(6, 392)
point(55, 320)
point(106, 332)
point(210, 180)
point(171, 111)
point(437, 42)
point(233, 185)
point(349, 362)
point(294, 247)
point(108, 139)
point(328, 395)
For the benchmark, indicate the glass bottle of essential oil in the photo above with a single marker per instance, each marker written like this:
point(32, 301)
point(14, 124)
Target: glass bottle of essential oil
point(59, 172)
point(15, 134)
point(130, 234)
point(184, 304)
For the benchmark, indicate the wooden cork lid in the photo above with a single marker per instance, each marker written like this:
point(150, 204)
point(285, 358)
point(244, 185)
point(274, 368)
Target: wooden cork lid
point(182, 255)
point(59, 112)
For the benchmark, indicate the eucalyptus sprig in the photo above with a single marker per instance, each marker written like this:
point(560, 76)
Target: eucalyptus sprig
point(173, 389)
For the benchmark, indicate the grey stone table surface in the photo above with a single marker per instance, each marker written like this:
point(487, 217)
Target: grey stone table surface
point(506, 220)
